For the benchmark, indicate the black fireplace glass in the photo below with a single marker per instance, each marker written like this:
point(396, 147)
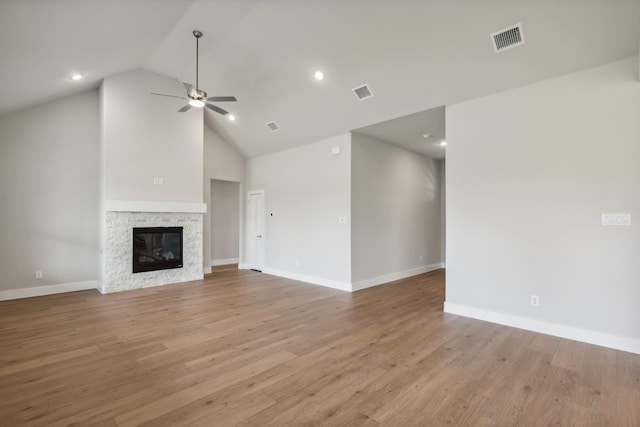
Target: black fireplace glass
point(157, 248)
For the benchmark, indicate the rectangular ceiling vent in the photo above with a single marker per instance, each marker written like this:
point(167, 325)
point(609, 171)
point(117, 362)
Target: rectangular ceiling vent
point(507, 38)
point(362, 92)
point(273, 126)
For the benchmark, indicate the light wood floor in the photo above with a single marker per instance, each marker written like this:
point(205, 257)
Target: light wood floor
point(244, 348)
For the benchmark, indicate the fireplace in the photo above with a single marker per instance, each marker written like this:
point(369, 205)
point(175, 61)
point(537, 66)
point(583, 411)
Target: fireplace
point(157, 248)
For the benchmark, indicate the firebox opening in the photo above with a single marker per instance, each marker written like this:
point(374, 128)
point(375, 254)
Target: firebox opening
point(157, 248)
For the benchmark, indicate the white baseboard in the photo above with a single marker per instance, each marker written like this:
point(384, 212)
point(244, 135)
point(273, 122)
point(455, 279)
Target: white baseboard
point(242, 266)
point(375, 281)
point(309, 279)
point(47, 290)
point(216, 262)
point(207, 270)
point(584, 335)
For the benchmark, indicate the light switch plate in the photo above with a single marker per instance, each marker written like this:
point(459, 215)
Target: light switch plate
point(616, 219)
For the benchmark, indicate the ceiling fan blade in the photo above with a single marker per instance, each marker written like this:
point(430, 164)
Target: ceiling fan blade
point(185, 108)
point(170, 96)
point(222, 98)
point(189, 87)
point(217, 109)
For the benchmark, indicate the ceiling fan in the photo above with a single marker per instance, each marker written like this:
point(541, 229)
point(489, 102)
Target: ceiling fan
point(196, 97)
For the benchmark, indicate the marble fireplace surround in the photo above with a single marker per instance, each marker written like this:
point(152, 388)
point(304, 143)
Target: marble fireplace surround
point(122, 216)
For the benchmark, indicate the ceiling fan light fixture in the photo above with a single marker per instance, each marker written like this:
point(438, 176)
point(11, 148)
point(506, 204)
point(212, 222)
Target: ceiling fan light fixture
point(196, 97)
point(196, 103)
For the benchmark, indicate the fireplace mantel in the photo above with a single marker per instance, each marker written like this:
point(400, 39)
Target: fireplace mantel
point(151, 206)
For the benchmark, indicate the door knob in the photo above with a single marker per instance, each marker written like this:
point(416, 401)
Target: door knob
point(259, 236)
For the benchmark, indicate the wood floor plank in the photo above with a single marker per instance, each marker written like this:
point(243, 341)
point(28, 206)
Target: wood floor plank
point(199, 390)
point(248, 349)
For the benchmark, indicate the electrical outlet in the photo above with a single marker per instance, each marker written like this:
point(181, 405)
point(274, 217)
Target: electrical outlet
point(297, 263)
point(342, 220)
point(39, 274)
point(535, 301)
point(421, 257)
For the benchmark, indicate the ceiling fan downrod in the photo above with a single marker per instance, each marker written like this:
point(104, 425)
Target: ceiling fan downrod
point(197, 34)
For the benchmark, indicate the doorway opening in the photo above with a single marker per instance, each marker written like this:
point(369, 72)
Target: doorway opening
point(225, 224)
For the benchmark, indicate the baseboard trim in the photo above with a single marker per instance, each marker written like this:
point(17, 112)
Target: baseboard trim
point(308, 279)
point(381, 280)
point(207, 270)
point(577, 334)
point(47, 290)
point(217, 262)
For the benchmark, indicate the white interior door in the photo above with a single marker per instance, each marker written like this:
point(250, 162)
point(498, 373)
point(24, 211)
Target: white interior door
point(255, 222)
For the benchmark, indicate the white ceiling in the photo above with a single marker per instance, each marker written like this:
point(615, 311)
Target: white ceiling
point(411, 132)
point(415, 55)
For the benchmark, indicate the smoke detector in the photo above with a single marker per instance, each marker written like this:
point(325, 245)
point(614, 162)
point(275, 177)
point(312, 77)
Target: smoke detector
point(507, 38)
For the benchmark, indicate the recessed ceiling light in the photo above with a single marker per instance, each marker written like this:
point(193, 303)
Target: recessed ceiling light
point(443, 143)
point(426, 135)
point(196, 103)
point(77, 76)
point(231, 118)
point(318, 75)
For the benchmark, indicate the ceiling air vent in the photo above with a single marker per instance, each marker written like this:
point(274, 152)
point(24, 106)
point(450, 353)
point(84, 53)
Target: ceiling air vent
point(362, 92)
point(273, 126)
point(507, 38)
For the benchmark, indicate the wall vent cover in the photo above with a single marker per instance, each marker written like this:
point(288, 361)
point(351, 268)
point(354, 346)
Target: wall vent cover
point(273, 126)
point(507, 38)
point(363, 92)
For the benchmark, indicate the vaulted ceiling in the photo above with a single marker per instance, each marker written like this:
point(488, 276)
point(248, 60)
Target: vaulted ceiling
point(415, 55)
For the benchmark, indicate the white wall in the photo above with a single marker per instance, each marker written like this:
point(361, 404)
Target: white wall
point(443, 210)
point(307, 189)
point(49, 193)
point(225, 222)
point(145, 137)
point(221, 162)
point(529, 172)
point(396, 215)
